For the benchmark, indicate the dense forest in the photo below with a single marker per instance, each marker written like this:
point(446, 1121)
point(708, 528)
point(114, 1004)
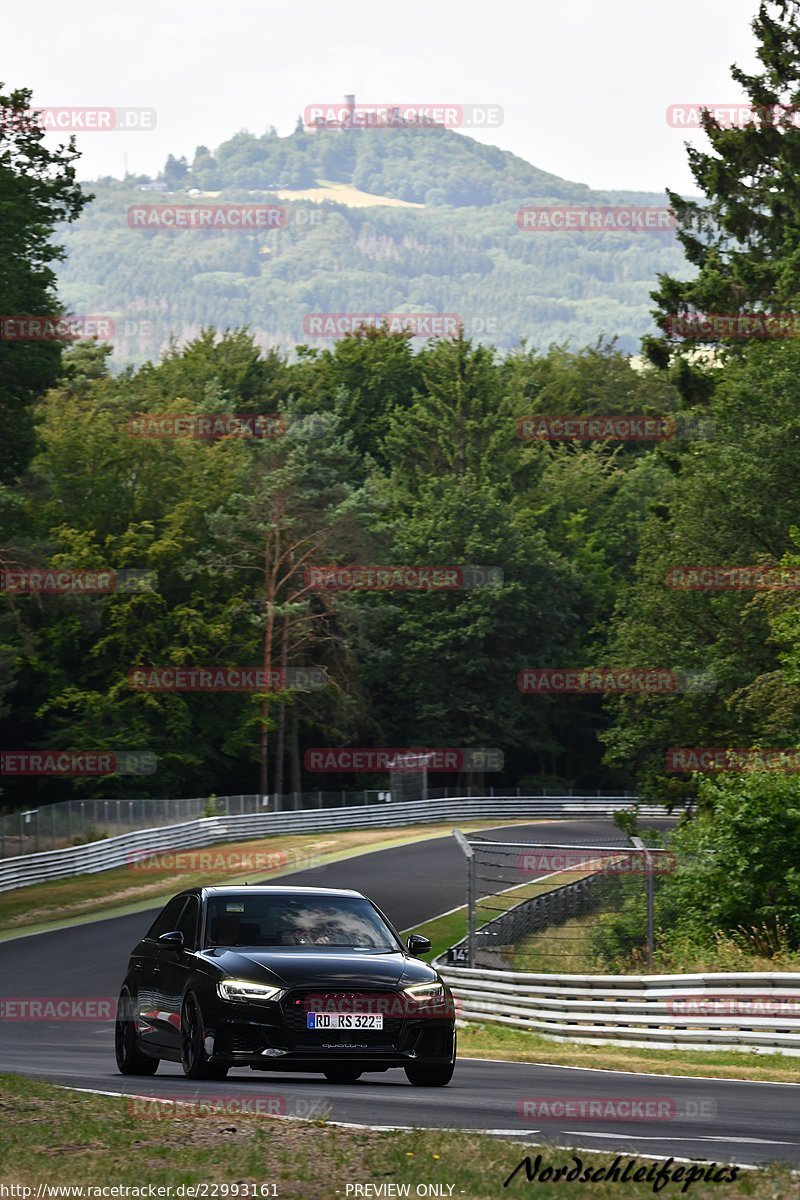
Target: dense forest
point(462, 252)
point(396, 451)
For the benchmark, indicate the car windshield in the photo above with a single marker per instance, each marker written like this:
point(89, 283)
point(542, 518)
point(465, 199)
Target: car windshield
point(251, 920)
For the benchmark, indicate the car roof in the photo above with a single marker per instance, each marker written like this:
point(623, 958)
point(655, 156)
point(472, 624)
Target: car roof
point(276, 890)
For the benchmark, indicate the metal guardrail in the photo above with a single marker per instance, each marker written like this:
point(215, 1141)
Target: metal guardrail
point(28, 869)
point(758, 1012)
point(72, 822)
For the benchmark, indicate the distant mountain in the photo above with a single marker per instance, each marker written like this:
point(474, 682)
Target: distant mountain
point(376, 221)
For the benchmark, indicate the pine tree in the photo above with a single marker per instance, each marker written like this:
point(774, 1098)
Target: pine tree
point(744, 239)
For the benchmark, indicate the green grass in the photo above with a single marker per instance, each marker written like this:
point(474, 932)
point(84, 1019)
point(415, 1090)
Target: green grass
point(53, 1136)
point(450, 928)
point(486, 1040)
point(567, 949)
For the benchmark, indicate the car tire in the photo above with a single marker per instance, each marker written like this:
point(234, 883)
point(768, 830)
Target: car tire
point(342, 1075)
point(422, 1074)
point(130, 1059)
point(194, 1060)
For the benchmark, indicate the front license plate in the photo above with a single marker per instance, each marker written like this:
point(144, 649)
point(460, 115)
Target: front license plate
point(344, 1020)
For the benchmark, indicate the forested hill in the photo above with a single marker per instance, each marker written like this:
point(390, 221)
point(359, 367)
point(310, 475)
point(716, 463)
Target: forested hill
point(432, 166)
point(377, 220)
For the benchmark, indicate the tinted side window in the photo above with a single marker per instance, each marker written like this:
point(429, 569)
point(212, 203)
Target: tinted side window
point(188, 923)
point(167, 919)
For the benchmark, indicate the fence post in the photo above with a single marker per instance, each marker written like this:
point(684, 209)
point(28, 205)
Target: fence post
point(469, 853)
point(648, 866)
point(53, 816)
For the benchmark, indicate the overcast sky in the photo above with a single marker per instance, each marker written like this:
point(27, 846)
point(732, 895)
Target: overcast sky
point(584, 85)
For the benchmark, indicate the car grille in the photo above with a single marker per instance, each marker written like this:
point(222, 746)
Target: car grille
point(246, 1039)
point(295, 1008)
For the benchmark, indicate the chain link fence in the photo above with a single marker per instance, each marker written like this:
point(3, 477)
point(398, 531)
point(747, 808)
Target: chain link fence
point(545, 907)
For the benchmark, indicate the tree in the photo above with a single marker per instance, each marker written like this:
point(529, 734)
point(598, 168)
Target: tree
point(749, 883)
point(38, 190)
point(294, 508)
point(731, 500)
point(175, 171)
point(744, 240)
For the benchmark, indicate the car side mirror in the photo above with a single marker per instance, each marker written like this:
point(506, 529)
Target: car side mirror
point(174, 939)
point(418, 944)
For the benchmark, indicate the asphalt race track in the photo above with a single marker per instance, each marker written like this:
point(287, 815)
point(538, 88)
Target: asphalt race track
point(706, 1119)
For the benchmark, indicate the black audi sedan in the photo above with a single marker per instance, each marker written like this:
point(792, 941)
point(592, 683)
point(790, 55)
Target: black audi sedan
point(283, 978)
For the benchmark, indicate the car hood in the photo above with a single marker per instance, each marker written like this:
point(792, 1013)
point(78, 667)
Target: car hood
point(328, 968)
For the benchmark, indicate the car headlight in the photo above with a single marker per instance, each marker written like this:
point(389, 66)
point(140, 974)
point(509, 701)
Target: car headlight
point(243, 989)
point(425, 993)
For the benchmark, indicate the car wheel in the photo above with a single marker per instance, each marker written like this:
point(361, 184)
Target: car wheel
point(342, 1075)
point(422, 1074)
point(194, 1059)
point(130, 1059)
point(429, 1075)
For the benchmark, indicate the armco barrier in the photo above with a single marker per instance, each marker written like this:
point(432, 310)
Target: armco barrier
point(638, 1010)
point(28, 869)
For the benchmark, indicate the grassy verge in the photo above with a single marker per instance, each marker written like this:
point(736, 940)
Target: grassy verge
point(57, 1137)
point(446, 930)
point(566, 950)
point(148, 883)
point(518, 1045)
